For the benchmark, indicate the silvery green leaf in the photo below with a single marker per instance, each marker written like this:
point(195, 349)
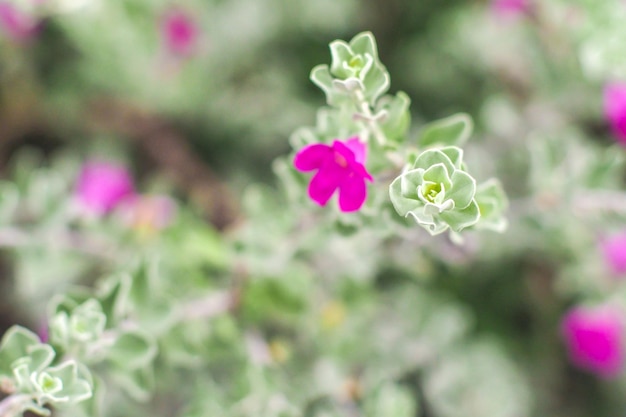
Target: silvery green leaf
point(390, 400)
point(133, 350)
point(40, 356)
point(433, 209)
point(144, 283)
point(376, 82)
point(455, 154)
point(451, 131)
point(74, 388)
point(320, 75)
point(340, 53)
point(114, 297)
point(16, 343)
point(358, 59)
point(398, 119)
point(477, 379)
point(402, 204)
point(431, 157)
point(410, 182)
point(87, 321)
point(438, 173)
point(461, 219)
point(435, 227)
point(22, 374)
point(47, 385)
point(59, 329)
point(423, 218)
point(137, 383)
point(463, 189)
point(365, 43)
point(492, 203)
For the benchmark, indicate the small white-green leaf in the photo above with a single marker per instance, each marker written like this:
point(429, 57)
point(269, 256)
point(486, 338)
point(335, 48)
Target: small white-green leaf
point(438, 173)
point(492, 203)
point(451, 131)
point(455, 154)
point(432, 157)
point(390, 400)
point(376, 81)
point(463, 189)
point(133, 350)
point(402, 204)
point(320, 75)
point(340, 52)
point(75, 387)
point(16, 343)
point(363, 43)
point(461, 219)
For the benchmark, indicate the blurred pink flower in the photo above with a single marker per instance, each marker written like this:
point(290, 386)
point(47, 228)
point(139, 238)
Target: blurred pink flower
point(594, 339)
point(614, 251)
point(43, 333)
point(339, 167)
point(615, 109)
point(102, 186)
point(510, 8)
point(16, 24)
point(180, 33)
point(149, 213)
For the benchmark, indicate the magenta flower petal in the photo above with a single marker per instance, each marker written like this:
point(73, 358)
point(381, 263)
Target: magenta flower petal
point(614, 251)
point(510, 8)
point(594, 339)
point(339, 167)
point(325, 182)
point(17, 25)
point(358, 149)
point(341, 150)
point(101, 186)
point(311, 157)
point(352, 194)
point(350, 158)
point(180, 33)
point(615, 109)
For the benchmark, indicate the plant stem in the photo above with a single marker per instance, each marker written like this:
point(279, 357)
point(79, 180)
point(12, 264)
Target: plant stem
point(369, 121)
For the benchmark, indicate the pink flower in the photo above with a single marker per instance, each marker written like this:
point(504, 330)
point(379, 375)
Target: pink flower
point(614, 251)
point(149, 213)
point(44, 333)
point(510, 8)
point(16, 24)
point(179, 32)
point(615, 109)
point(594, 339)
point(102, 186)
point(339, 167)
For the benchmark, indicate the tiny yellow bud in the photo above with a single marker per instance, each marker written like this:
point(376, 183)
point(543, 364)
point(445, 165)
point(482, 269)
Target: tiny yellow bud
point(279, 351)
point(333, 315)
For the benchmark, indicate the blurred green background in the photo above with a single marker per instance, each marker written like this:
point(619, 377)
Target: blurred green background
point(96, 79)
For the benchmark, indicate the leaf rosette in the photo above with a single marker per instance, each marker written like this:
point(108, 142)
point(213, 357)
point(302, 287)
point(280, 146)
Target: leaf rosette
point(437, 192)
point(355, 65)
